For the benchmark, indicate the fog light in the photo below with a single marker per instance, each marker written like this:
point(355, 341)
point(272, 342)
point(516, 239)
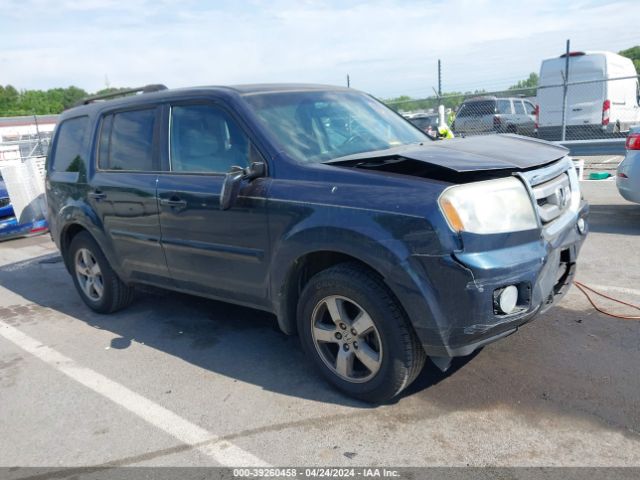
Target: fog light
point(581, 226)
point(508, 299)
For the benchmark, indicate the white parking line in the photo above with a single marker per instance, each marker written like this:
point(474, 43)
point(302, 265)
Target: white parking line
point(223, 452)
point(609, 288)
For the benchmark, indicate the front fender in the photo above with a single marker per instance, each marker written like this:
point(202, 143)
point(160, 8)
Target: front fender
point(375, 239)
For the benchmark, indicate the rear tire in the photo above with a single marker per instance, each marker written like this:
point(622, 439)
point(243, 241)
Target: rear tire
point(98, 285)
point(357, 335)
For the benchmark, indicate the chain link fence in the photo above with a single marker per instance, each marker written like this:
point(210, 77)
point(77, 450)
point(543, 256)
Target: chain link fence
point(24, 148)
point(567, 111)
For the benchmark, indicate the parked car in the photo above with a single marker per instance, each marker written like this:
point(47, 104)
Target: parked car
point(495, 115)
point(10, 226)
point(597, 106)
point(376, 245)
point(628, 174)
point(427, 122)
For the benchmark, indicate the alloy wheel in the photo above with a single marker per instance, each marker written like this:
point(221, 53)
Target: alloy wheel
point(346, 339)
point(89, 274)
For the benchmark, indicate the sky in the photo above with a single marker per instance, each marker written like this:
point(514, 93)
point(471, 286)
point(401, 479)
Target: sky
point(387, 47)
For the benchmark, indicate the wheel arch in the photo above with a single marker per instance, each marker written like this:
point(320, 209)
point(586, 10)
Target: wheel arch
point(72, 220)
point(299, 274)
point(311, 250)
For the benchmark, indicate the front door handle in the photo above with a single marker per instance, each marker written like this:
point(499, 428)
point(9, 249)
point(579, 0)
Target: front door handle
point(173, 202)
point(97, 195)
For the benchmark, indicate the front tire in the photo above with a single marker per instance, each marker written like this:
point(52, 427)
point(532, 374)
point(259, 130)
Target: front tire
point(96, 282)
point(357, 335)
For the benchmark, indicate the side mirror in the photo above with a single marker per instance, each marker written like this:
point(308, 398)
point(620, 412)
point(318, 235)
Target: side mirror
point(255, 170)
point(233, 180)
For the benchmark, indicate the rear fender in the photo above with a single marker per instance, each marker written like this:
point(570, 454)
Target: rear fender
point(76, 213)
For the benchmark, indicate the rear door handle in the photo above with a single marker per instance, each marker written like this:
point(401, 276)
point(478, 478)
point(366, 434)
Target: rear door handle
point(173, 202)
point(97, 195)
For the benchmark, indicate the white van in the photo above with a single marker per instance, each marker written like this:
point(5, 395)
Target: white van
point(595, 108)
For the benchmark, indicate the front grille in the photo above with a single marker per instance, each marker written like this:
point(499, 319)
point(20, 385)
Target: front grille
point(4, 202)
point(553, 197)
point(554, 189)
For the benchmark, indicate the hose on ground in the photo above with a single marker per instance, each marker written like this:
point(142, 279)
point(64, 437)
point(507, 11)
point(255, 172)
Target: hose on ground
point(585, 290)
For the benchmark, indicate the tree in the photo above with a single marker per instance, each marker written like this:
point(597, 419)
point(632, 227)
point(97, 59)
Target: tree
point(37, 102)
point(531, 81)
point(634, 54)
point(527, 87)
point(8, 100)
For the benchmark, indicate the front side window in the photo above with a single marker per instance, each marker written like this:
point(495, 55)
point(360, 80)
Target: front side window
point(317, 126)
point(69, 155)
point(204, 138)
point(126, 141)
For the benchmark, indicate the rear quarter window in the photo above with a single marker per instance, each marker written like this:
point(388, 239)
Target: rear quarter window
point(70, 149)
point(126, 141)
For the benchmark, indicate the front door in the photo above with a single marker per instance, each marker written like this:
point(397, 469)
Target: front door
point(208, 250)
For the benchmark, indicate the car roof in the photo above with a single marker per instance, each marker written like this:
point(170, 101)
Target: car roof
point(283, 88)
point(491, 98)
point(224, 91)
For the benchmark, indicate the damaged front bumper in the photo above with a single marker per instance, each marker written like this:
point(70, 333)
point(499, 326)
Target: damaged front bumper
point(465, 286)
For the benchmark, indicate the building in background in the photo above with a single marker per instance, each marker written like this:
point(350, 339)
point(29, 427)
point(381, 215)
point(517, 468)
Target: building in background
point(25, 137)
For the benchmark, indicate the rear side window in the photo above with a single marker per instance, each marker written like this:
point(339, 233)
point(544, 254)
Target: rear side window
point(70, 149)
point(478, 108)
point(504, 106)
point(126, 141)
point(519, 107)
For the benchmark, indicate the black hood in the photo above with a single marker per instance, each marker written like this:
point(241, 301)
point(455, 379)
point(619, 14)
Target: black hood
point(473, 154)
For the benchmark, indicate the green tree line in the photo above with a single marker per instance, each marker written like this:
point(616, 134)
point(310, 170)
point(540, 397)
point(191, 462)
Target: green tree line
point(15, 102)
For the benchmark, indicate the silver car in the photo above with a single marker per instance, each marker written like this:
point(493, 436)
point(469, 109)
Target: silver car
point(628, 175)
point(483, 115)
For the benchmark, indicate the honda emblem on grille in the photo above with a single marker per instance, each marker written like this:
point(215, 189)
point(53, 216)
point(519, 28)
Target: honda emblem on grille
point(562, 194)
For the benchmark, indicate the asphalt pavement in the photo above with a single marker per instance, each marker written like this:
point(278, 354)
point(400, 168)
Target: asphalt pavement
point(183, 381)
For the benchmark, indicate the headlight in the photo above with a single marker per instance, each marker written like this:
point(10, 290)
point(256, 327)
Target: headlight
point(492, 206)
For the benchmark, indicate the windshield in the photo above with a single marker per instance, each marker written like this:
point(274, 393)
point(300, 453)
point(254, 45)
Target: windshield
point(319, 126)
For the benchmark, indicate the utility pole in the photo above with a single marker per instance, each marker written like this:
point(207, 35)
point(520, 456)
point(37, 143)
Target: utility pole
point(439, 78)
point(564, 92)
point(440, 105)
point(348, 81)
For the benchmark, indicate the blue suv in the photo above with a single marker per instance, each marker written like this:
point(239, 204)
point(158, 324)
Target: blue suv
point(376, 245)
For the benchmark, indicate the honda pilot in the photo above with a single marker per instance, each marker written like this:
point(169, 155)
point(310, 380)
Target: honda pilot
point(374, 244)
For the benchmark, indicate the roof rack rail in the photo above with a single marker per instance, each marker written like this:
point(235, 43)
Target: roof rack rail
point(120, 93)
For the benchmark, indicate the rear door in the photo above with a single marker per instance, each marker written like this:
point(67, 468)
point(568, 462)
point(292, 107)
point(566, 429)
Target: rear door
point(504, 112)
point(210, 251)
point(122, 191)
